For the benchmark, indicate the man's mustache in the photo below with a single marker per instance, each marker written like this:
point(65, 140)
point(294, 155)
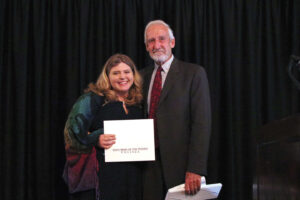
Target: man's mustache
point(158, 50)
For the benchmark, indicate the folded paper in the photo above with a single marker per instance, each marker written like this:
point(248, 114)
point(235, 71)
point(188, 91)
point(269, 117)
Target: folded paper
point(210, 191)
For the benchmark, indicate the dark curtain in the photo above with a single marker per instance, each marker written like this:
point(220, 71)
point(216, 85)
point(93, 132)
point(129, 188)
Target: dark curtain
point(51, 50)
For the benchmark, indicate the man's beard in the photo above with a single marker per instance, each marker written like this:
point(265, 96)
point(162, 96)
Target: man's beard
point(159, 58)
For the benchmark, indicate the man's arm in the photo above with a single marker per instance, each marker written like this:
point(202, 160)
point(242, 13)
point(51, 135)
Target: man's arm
point(200, 117)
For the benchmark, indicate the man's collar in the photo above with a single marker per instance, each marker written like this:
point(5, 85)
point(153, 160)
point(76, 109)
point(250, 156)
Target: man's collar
point(166, 66)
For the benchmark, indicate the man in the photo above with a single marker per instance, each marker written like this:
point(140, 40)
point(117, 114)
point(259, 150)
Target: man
point(177, 98)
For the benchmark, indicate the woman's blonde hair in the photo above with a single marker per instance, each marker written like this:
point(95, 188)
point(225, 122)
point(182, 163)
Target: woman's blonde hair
point(103, 87)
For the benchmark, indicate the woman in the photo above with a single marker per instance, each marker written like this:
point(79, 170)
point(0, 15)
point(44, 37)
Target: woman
point(116, 95)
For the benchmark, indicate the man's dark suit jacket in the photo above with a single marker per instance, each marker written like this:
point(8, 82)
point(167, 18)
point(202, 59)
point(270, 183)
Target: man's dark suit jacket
point(183, 120)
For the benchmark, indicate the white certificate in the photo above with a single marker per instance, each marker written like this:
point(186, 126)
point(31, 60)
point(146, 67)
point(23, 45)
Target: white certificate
point(134, 140)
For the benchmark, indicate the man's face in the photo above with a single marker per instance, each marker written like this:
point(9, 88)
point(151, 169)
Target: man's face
point(158, 43)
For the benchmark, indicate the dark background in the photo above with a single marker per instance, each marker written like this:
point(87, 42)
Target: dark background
point(51, 50)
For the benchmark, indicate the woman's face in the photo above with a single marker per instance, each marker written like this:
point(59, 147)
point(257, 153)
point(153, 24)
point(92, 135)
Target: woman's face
point(121, 79)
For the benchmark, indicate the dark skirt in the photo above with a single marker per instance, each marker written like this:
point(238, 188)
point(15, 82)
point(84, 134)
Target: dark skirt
point(84, 195)
point(119, 180)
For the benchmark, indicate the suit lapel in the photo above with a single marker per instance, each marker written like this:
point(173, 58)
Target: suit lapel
point(147, 79)
point(170, 80)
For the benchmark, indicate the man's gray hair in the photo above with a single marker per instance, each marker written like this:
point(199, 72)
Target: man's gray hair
point(162, 23)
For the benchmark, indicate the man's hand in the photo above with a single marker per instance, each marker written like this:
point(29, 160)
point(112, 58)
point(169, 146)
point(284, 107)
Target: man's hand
point(106, 140)
point(192, 183)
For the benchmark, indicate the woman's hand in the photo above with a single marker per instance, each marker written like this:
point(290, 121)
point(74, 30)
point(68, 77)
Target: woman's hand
point(106, 140)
